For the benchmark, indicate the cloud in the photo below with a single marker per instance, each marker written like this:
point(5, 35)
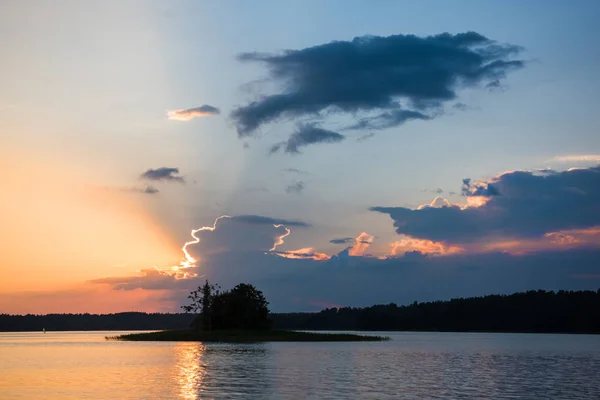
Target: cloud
point(388, 119)
point(422, 246)
point(362, 242)
point(191, 113)
point(305, 134)
point(460, 106)
point(252, 248)
point(149, 189)
point(149, 279)
point(295, 171)
point(307, 253)
point(260, 220)
point(163, 174)
point(586, 158)
point(438, 202)
point(291, 283)
point(295, 188)
point(484, 189)
point(374, 73)
point(516, 205)
point(365, 137)
point(437, 191)
point(342, 240)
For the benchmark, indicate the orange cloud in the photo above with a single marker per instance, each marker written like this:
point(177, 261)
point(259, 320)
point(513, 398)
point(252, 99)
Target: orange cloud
point(475, 201)
point(305, 253)
point(191, 113)
point(279, 239)
point(564, 240)
point(425, 246)
point(363, 241)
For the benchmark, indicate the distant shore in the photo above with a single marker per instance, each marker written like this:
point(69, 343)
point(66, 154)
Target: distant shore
point(565, 312)
point(245, 336)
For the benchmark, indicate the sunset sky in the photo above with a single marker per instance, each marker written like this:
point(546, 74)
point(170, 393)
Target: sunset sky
point(361, 152)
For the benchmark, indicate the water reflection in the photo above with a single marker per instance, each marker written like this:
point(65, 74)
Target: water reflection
point(411, 366)
point(191, 369)
point(237, 370)
point(220, 369)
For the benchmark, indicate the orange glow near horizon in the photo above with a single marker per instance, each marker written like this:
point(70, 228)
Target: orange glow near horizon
point(86, 298)
point(57, 230)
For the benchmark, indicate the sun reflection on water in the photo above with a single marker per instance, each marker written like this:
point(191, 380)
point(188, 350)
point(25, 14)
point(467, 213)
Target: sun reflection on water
point(190, 369)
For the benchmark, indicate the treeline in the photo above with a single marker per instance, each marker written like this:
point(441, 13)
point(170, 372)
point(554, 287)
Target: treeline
point(533, 311)
point(127, 321)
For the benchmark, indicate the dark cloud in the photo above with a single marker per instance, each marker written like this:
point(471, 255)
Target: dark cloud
point(373, 73)
point(494, 85)
point(305, 134)
point(388, 119)
point(345, 240)
point(289, 284)
point(520, 204)
point(190, 113)
point(260, 220)
point(295, 171)
point(250, 248)
point(485, 189)
point(149, 189)
point(436, 191)
point(295, 188)
point(460, 106)
point(163, 174)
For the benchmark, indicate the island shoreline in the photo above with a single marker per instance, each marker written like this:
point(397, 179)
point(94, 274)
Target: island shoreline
point(244, 336)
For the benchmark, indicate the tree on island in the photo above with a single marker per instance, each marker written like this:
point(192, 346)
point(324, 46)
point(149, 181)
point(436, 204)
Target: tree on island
point(243, 307)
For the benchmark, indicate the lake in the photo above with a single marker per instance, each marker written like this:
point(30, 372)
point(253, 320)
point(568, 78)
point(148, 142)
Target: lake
point(82, 365)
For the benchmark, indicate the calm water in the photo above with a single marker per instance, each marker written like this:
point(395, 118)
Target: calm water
point(82, 365)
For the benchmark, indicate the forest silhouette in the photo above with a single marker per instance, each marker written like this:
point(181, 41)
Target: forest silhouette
point(533, 311)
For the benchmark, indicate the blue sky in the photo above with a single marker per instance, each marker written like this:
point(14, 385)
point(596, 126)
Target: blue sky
point(86, 87)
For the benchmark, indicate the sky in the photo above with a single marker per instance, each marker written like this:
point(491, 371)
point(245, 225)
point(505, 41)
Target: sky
point(336, 153)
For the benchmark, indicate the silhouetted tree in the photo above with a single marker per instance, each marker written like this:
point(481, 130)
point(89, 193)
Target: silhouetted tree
point(202, 299)
point(243, 307)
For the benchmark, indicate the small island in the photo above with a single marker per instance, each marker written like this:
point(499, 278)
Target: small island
point(239, 315)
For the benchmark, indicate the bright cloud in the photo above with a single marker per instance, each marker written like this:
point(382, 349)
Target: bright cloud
point(191, 113)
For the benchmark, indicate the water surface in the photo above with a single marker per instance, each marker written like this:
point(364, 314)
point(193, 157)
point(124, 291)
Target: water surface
point(82, 365)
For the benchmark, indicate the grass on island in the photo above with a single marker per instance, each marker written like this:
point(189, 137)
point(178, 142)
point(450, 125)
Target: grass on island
point(244, 336)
